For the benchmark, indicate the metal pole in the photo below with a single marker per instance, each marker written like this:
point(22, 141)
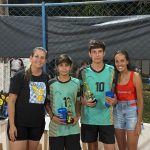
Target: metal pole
point(44, 29)
point(43, 25)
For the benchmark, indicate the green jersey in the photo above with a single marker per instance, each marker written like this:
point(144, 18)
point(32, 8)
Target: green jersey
point(96, 84)
point(59, 92)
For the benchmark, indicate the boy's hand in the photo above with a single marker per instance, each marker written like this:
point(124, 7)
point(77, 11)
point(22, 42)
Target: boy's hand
point(111, 101)
point(76, 119)
point(57, 120)
point(90, 103)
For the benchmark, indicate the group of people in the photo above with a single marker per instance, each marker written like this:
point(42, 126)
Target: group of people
point(68, 100)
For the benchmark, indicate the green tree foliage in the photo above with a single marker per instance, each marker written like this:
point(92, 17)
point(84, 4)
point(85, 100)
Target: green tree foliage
point(101, 9)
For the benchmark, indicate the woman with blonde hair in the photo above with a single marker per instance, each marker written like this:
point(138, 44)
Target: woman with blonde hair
point(27, 97)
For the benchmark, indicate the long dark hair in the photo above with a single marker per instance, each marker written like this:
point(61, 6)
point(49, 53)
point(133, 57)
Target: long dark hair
point(129, 66)
point(125, 53)
point(28, 71)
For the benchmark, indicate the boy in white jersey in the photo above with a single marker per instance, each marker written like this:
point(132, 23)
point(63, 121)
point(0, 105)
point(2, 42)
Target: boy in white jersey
point(96, 117)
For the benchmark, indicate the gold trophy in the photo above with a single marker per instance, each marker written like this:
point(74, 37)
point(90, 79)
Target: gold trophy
point(69, 119)
point(88, 92)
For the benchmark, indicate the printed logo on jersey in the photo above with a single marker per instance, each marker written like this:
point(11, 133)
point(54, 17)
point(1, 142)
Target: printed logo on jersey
point(37, 92)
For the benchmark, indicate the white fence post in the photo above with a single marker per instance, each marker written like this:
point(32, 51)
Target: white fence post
point(4, 76)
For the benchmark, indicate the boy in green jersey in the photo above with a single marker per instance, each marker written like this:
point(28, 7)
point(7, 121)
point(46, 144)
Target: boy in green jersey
point(96, 117)
point(63, 108)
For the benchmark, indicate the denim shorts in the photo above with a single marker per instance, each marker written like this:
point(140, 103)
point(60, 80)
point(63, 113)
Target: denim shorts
point(125, 115)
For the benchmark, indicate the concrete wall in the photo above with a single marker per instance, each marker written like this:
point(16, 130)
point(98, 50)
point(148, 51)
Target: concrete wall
point(144, 140)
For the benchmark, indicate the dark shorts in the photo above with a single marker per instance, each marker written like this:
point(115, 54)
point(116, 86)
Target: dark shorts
point(28, 133)
point(90, 133)
point(69, 142)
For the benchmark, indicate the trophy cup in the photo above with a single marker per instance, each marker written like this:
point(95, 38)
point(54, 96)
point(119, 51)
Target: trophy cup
point(88, 93)
point(109, 94)
point(69, 119)
point(62, 113)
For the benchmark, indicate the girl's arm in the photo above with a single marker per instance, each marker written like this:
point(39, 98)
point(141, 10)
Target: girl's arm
point(139, 92)
point(49, 110)
point(11, 114)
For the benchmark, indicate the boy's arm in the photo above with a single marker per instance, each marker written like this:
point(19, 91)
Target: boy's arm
point(78, 108)
point(53, 117)
point(78, 104)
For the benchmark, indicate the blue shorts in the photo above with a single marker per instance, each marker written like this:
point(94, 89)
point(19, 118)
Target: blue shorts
point(125, 115)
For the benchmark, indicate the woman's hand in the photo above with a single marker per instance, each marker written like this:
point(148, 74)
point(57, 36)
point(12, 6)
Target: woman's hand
point(138, 129)
point(13, 133)
point(57, 120)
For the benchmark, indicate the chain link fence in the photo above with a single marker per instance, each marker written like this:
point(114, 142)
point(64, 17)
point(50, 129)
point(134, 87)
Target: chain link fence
point(107, 8)
point(27, 23)
point(21, 29)
point(25, 11)
point(122, 8)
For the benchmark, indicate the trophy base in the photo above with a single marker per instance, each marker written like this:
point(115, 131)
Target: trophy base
point(70, 121)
